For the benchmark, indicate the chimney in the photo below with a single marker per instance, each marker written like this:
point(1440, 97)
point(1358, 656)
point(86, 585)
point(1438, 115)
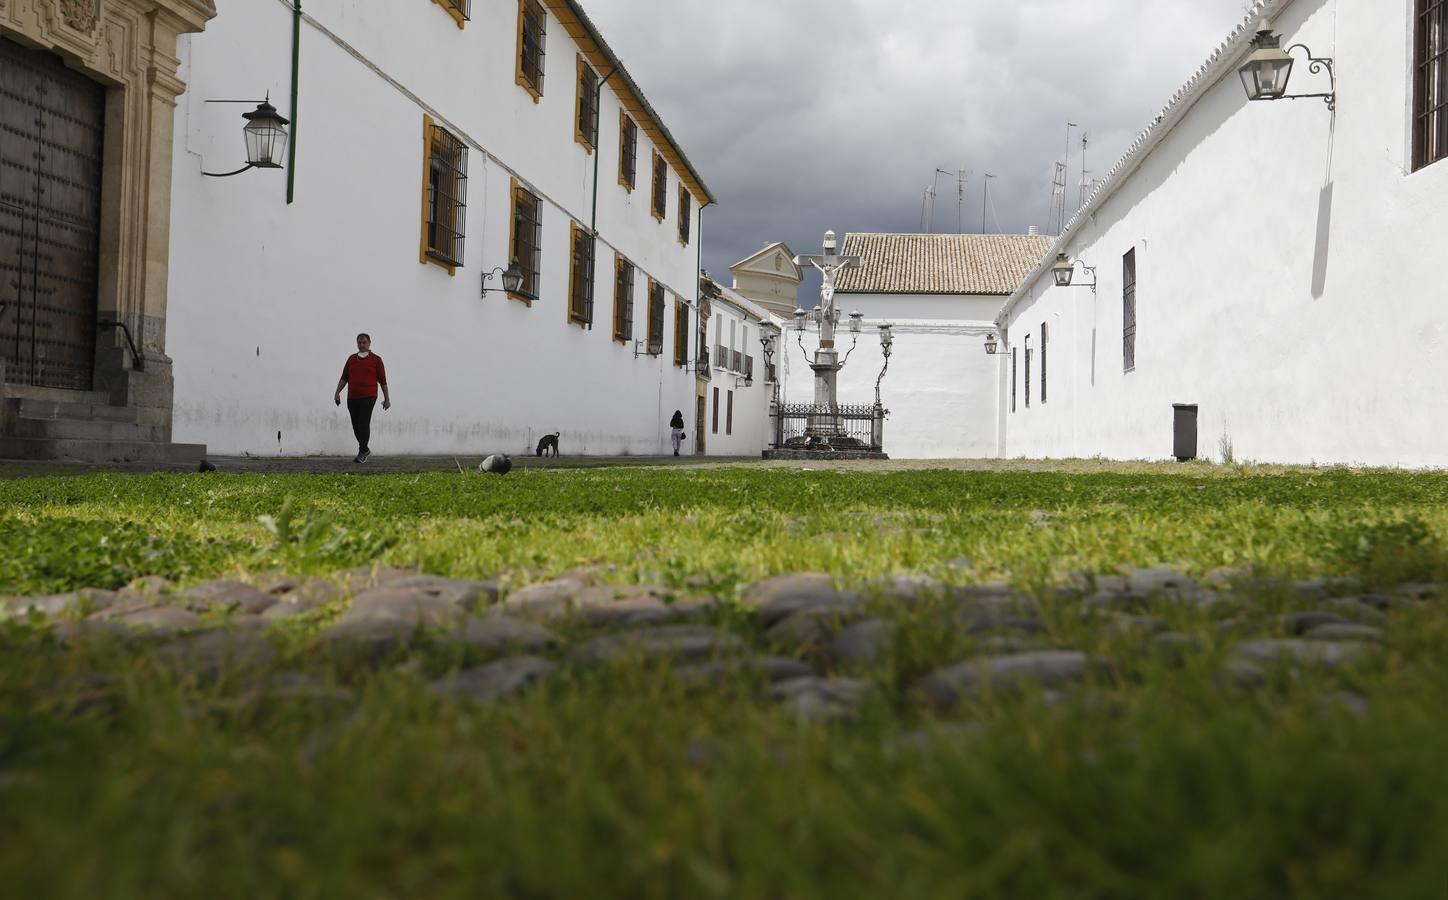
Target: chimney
point(1034, 231)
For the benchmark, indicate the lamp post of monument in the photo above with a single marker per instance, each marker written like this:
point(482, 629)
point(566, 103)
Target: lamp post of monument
point(827, 365)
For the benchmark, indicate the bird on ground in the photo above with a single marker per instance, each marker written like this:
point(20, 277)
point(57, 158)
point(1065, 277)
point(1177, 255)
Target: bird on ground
point(498, 464)
point(205, 467)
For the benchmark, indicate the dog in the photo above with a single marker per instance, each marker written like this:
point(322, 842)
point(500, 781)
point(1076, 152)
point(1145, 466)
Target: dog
point(549, 442)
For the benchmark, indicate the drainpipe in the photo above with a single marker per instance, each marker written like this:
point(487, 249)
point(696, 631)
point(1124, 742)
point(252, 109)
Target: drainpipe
point(597, 127)
point(296, 68)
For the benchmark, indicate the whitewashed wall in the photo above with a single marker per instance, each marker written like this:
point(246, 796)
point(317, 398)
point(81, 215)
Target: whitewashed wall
point(940, 388)
point(750, 434)
point(266, 297)
point(1288, 269)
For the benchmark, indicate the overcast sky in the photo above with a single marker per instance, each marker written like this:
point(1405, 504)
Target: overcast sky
point(803, 115)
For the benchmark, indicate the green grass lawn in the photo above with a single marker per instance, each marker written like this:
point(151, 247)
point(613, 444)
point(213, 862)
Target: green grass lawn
point(121, 779)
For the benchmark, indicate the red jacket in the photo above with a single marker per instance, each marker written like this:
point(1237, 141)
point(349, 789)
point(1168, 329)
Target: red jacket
point(363, 375)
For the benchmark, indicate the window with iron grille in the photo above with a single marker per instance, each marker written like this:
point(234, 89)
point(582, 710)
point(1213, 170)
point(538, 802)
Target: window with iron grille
point(681, 333)
point(661, 186)
point(1430, 83)
point(716, 410)
point(1045, 338)
point(532, 39)
point(1013, 379)
point(580, 277)
point(461, 10)
point(684, 207)
point(729, 415)
point(587, 118)
point(656, 318)
point(446, 187)
point(1128, 311)
point(527, 241)
point(623, 299)
point(628, 151)
point(1028, 374)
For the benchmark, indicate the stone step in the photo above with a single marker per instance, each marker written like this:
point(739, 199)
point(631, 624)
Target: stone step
point(83, 429)
point(29, 408)
point(54, 395)
point(100, 451)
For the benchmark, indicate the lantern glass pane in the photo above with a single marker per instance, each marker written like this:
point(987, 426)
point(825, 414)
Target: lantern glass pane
point(265, 143)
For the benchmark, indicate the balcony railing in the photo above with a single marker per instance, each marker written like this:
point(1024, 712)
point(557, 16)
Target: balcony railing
point(736, 360)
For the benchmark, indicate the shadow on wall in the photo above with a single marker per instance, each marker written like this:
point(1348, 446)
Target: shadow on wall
point(1324, 236)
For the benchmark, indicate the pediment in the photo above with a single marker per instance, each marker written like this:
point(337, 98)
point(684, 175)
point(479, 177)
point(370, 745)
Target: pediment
point(775, 260)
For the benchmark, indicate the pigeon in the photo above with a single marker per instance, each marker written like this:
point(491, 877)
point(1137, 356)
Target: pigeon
point(498, 464)
point(205, 467)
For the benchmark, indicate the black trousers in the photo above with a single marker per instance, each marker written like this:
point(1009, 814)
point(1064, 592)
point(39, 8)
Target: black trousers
point(361, 411)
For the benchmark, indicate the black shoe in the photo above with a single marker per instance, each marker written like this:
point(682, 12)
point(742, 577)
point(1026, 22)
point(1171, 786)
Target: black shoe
point(676, 453)
point(363, 455)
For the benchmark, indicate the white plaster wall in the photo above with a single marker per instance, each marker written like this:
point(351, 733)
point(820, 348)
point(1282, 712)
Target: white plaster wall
point(940, 388)
point(750, 434)
point(265, 298)
point(1288, 275)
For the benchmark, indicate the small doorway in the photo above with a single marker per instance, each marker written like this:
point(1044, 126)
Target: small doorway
point(52, 128)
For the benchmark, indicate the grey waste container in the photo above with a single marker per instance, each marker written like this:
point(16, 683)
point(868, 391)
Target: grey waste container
point(1184, 431)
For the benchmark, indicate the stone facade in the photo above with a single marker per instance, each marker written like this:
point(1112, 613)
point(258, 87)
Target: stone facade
point(129, 46)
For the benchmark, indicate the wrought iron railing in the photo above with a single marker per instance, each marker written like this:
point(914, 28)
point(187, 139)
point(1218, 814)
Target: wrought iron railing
point(809, 426)
point(736, 361)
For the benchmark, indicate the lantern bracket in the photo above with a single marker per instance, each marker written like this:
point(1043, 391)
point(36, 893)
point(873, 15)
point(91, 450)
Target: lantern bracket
point(1316, 65)
point(265, 102)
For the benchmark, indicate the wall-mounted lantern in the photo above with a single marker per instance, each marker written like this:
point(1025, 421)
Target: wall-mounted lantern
point(266, 138)
point(512, 279)
point(1064, 271)
point(991, 344)
point(1268, 69)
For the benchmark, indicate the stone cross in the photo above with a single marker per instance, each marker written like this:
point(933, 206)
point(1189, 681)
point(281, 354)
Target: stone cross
point(830, 265)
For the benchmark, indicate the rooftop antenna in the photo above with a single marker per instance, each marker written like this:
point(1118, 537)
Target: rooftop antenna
point(1085, 181)
point(961, 177)
point(985, 200)
point(1058, 195)
point(1065, 169)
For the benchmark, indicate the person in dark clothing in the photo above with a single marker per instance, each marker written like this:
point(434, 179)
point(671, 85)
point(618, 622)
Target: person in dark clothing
point(677, 424)
point(362, 375)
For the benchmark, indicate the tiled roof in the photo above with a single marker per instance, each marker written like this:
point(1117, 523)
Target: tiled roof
point(941, 263)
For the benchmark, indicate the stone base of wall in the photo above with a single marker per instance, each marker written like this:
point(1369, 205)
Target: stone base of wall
point(823, 454)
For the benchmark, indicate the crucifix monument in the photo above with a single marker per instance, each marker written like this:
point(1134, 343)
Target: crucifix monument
point(827, 363)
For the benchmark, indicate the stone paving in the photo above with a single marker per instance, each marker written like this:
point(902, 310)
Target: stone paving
point(812, 648)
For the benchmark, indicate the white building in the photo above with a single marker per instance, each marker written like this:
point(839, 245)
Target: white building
point(1273, 264)
point(941, 293)
point(733, 418)
point(770, 278)
point(434, 143)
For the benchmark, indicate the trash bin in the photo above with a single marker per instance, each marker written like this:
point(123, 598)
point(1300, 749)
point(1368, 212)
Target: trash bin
point(1184, 431)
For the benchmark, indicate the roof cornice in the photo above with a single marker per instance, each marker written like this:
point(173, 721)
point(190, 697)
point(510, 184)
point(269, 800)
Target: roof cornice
point(1217, 66)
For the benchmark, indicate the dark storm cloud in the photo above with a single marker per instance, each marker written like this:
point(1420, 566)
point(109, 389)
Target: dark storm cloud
point(804, 115)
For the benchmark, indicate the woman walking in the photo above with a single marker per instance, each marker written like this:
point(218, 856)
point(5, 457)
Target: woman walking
point(677, 424)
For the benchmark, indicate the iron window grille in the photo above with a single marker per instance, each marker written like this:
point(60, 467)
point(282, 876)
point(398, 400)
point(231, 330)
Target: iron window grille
point(462, 10)
point(1128, 311)
point(1028, 377)
point(587, 105)
point(661, 186)
point(628, 151)
point(447, 188)
point(623, 300)
point(580, 277)
point(1430, 83)
point(716, 411)
point(532, 41)
point(1045, 338)
point(1013, 379)
point(681, 333)
point(736, 360)
point(527, 240)
point(684, 209)
point(729, 415)
point(721, 356)
point(656, 318)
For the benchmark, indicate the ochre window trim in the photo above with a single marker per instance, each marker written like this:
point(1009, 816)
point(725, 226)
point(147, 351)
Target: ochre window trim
point(531, 270)
point(681, 333)
point(628, 151)
point(656, 319)
point(580, 293)
point(586, 132)
point(623, 298)
point(460, 10)
point(428, 254)
point(524, 8)
point(686, 213)
point(659, 174)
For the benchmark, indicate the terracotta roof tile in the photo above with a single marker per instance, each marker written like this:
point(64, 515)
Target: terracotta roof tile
point(941, 263)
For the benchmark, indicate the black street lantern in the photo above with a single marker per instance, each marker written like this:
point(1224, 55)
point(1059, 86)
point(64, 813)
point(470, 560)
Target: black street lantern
point(1267, 70)
point(991, 345)
point(856, 318)
point(512, 279)
point(266, 138)
point(1063, 270)
point(887, 339)
point(799, 317)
